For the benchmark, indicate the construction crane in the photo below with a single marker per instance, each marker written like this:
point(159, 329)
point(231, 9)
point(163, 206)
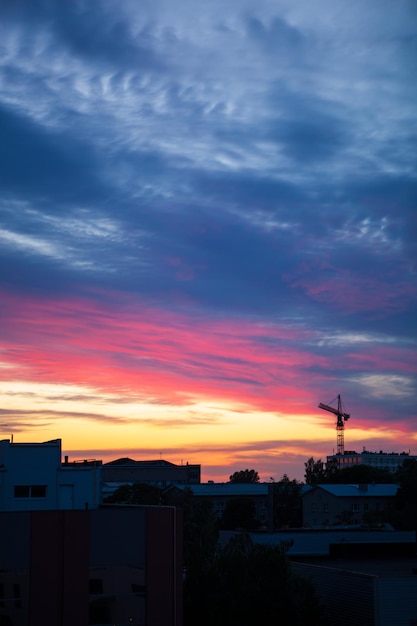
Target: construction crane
point(340, 422)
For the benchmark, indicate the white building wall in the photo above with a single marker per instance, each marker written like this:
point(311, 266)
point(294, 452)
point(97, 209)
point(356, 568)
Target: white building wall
point(31, 468)
point(79, 487)
point(32, 477)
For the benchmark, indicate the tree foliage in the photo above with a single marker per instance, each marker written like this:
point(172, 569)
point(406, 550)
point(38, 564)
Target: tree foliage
point(201, 530)
point(314, 471)
point(405, 513)
point(239, 512)
point(318, 473)
point(287, 503)
point(138, 493)
point(244, 476)
point(246, 584)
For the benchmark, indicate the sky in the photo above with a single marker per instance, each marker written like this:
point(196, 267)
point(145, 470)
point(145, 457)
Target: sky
point(208, 227)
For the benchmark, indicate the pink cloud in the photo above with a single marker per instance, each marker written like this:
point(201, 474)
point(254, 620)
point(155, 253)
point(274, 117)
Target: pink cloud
point(139, 351)
point(345, 290)
point(146, 350)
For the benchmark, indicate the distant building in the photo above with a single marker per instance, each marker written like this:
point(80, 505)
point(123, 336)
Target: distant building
point(33, 477)
point(220, 493)
point(390, 461)
point(158, 473)
point(112, 565)
point(328, 505)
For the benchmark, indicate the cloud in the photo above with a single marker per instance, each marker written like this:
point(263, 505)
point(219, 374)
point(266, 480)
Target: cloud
point(42, 415)
point(214, 204)
point(165, 358)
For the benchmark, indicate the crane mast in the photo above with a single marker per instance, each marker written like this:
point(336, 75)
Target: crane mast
point(340, 422)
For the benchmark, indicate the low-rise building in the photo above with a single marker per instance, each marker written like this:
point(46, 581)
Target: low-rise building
point(221, 493)
point(159, 473)
point(33, 477)
point(328, 505)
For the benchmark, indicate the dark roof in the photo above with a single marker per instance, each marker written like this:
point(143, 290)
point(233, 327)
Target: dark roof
point(342, 490)
point(126, 461)
point(383, 567)
point(229, 489)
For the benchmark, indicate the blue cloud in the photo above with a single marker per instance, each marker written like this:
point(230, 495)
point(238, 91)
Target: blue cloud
point(251, 162)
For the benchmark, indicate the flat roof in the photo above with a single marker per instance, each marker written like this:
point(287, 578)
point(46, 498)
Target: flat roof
point(405, 567)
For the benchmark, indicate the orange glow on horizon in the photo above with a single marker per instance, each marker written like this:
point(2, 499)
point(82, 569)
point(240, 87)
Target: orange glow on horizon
point(102, 379)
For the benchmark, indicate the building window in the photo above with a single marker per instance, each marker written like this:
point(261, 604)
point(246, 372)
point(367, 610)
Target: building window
point(16, 595)
point(326, 508)
point(355, 507)
point(95, 585)
point(366, 506)
point(100, 614)
point(38, 491)
point(139, 590)
point(314, 507)
point(22, 491)
point(30, 491)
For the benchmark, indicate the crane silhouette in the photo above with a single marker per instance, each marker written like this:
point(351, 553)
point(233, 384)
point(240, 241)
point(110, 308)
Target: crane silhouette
point(340, 422)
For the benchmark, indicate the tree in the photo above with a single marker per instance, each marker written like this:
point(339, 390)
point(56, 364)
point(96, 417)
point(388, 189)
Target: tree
point(239, 512)
point(317, 473)
point(201, 530)
point(314, 472)
point(357, 474)
point(244, 476)
point(139, 493)
point(247, 584)
point(287, 503)
point(405, 513)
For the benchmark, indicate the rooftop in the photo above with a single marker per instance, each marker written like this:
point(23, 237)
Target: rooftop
point(373, 490)
point(229, 489)
point(126, 461)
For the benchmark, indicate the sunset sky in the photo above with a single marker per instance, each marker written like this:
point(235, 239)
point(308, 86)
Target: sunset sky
point(208, 226)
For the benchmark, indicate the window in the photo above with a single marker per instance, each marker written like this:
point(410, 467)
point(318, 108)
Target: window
point(139, 590)
point(16, 595)
point(366, 506)
point(326, 508)
point(95, 585)
point(355, 507)
point(30, 491)
point(314, 507)
point(100, 614)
